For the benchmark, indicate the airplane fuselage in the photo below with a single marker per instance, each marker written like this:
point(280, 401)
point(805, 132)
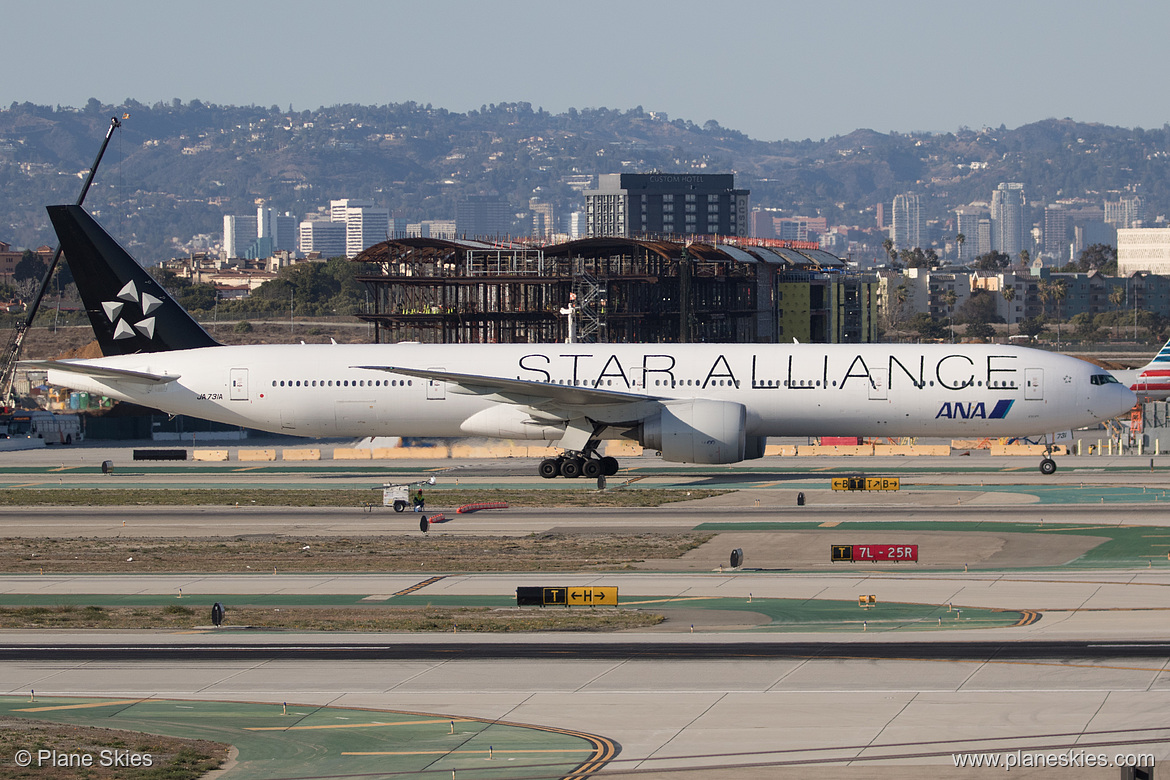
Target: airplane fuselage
point(1150, 384)
point(787, 390)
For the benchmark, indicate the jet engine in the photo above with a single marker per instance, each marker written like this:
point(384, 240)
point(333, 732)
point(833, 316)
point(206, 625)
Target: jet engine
point(698, 431)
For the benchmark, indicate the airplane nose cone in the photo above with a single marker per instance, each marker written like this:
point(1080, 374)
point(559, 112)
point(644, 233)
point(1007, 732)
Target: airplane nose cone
point(1125, 399)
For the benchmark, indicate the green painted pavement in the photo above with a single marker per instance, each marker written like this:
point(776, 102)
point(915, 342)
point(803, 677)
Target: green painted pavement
point(804, 615)
point(1121, 546)
point(332, 741)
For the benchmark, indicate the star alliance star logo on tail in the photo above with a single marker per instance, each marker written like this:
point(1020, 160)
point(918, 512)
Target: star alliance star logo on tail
point(115, 311)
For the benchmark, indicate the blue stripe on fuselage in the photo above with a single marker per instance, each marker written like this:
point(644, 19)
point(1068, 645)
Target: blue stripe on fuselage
point(1001, 408)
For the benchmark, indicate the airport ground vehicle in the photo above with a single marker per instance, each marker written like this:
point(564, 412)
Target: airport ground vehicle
point(401, 496)
point(53, 428)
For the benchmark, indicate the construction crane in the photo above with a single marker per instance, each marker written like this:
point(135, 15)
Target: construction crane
point(16, 343)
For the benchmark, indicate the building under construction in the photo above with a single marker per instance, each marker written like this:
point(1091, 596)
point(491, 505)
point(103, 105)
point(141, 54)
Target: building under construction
point(615, 290)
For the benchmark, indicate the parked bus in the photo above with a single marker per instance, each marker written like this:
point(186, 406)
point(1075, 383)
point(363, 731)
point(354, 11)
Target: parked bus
point(53, 428)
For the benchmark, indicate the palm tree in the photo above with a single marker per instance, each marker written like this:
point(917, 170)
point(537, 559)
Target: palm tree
point(888, 245)
point(1059, 293)
point(949, 298)
point(960, 239)
point(901, 295)
point(1044, 293)
point(1009, 295)
point(1116, 297)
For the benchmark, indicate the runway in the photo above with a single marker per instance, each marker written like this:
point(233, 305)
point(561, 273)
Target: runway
point(1091, 673)
point(700, 711)
point(227, 647)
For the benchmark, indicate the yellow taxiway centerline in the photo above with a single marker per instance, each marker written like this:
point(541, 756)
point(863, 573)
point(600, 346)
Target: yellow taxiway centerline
point(81, 706)
point(461, 752)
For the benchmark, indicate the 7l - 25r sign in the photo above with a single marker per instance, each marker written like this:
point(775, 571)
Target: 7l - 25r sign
point(874, 553)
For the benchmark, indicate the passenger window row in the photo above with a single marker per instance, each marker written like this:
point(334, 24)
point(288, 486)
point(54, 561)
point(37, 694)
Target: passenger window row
point(343, 383)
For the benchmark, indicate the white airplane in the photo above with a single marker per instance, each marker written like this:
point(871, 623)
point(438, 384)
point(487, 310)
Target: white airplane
point(695, 403)
point(1151, 382)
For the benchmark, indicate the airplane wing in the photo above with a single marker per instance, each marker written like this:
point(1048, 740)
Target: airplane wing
point(521, 391)
point(100, 373)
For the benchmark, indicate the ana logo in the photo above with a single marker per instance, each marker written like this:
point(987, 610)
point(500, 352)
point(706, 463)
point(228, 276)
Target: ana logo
point(975, 410)
point(116, 309)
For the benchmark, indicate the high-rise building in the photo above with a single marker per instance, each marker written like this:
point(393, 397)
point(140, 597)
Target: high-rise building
point(365, 225)
point(1009, 223)
point(338, 208)
point(239, 234)
point(483, 216)
point(324, 237)
point(543, 218)
point(628, 204)
point(1143, 249)
point(432, 228)
point(907, 227)
point(1125, 212)
point(983, 236)
point(762, 224)
point(1057, 242)
point(281, 229)
point(791, 229)
point(967, 224)
point(576, 225)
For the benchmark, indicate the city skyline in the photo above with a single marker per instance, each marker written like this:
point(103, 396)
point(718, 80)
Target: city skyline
point(1009, 64)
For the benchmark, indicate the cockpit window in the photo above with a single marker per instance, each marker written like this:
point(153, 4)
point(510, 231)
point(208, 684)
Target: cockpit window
point(1103, 379)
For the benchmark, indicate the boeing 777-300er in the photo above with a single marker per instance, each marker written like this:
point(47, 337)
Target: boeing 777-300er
point(694, 403)
point(1151, 382)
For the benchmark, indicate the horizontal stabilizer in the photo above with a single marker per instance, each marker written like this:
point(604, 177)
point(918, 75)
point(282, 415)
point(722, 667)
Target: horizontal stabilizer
point(99, 373)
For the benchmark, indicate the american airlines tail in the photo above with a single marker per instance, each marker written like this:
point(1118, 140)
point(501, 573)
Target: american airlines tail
point(1151, 382)
point(692, 403)
point(130, 312)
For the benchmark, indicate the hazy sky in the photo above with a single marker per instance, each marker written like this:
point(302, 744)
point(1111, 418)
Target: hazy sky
point(770, 69)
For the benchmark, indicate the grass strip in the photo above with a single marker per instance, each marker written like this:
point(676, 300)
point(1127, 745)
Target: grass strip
point(374, 618)
point(438, 499)
point(400, 553)
point(171, 758)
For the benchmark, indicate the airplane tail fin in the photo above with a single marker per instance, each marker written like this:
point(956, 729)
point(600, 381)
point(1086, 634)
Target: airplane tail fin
point(130, 312)
point(1160, 360)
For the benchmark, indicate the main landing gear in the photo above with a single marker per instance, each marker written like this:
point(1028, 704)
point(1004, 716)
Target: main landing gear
point(578, 464)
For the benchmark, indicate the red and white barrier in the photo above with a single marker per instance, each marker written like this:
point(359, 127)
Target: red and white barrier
point(469, 508)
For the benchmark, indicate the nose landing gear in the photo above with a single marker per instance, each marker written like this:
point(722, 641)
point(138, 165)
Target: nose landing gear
point(1047, 465)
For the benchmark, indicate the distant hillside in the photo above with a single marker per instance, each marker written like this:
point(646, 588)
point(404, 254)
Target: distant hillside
point(175, 169)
